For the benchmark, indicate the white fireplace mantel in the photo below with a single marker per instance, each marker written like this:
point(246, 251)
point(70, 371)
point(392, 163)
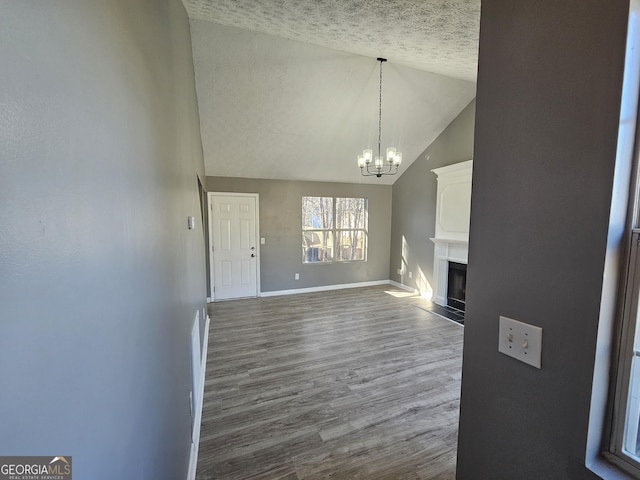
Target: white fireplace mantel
point(453, 209)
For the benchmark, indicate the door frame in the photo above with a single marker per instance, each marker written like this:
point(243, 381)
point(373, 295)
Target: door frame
point(210, 196)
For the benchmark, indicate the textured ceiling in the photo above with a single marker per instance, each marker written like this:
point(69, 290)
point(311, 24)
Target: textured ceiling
point(439, 36)
point(288, 89)
point(276, 108)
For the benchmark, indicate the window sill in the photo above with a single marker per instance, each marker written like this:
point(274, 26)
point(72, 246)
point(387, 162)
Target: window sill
point(334, 263)
point(608, 471)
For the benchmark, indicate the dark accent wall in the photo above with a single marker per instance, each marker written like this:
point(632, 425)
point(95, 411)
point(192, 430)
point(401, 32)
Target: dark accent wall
point(414, 203)
point(100, 279)
point(547, 115)
point(281, 225)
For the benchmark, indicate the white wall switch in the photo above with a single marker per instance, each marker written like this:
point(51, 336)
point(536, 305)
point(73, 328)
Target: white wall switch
point(410, 274)
point(263, 240)
point(520, 341)
point(191, 222)
point(296, 276)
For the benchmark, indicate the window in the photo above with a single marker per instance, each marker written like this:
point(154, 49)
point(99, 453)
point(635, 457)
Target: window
point(624, 442)
point(334, 229)
point(626, 434)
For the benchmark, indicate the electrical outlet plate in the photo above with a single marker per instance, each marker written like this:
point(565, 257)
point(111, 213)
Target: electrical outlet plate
point(520, 341)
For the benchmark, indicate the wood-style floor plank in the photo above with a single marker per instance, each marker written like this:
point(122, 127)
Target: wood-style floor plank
point(347, 384)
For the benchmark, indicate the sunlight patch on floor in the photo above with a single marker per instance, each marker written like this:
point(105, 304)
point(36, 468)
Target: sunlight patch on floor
point(398, 294)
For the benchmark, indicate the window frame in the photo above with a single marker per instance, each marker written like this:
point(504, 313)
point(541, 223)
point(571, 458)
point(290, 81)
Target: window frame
point(336, 231)
point(626, 319)
point(626, 339)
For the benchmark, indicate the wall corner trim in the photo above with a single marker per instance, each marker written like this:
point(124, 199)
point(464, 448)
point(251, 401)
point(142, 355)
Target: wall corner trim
point(404, 287)
point(193, 458)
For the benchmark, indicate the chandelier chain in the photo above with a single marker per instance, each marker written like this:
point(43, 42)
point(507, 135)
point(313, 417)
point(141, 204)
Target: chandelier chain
point(380, 112)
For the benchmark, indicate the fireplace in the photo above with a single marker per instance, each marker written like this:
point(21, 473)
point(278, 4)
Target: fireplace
point(451, 251)
point(457, 285)
point(447, 252)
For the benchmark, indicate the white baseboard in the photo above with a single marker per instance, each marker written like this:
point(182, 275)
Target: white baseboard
point(323, 288)
point(439, 300)
point(404, 287)
point(193, 458)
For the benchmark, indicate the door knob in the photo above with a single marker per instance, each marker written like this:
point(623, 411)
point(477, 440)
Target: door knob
point(253, 248)
point(253, 255)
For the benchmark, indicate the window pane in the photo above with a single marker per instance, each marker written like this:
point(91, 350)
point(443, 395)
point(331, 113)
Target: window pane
point(352, 245)
point(626, 441)
point(351, 213)
point(317, 246)
point(631, 431)
point(631, 444)
point(317, 213)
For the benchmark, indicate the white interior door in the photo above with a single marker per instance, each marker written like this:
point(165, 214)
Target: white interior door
point(234, 245)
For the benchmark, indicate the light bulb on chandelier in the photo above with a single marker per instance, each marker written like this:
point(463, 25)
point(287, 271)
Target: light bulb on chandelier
point(378, 166)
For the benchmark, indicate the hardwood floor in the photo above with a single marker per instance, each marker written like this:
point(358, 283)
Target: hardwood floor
point(356, 383)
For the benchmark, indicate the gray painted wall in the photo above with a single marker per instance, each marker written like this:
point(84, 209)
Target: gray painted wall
point(100, 280)
point(281, 225)
point(547, 116)
point(414, 202)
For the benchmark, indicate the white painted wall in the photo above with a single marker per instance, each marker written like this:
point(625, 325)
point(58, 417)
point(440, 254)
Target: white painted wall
point(276, 108)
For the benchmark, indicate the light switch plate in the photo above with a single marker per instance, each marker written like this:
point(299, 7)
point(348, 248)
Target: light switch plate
point(521, 341)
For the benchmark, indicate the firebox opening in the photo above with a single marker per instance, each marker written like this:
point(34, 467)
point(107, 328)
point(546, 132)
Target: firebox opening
point(457, 286)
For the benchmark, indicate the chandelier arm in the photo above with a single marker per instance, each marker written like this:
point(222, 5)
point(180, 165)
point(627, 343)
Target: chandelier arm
point(378, 172)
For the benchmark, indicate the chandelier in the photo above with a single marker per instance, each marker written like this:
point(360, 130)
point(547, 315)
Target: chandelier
point(377, 166)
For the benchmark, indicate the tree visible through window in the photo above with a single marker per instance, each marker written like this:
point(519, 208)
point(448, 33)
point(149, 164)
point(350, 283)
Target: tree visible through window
point(334, 229)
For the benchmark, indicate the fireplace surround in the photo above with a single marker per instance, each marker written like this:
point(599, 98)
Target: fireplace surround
point(446, 251)
point(453, 209)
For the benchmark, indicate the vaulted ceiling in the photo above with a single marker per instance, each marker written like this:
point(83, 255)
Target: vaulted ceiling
point(288, 89)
